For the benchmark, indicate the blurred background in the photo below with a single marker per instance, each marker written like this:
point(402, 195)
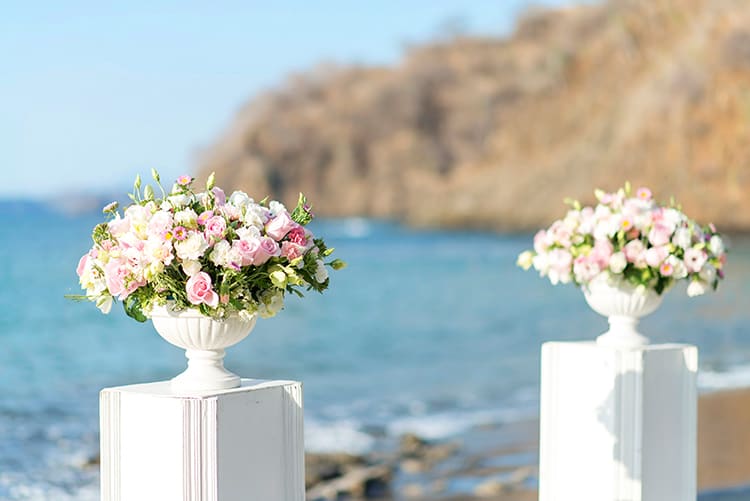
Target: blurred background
point(433, 138)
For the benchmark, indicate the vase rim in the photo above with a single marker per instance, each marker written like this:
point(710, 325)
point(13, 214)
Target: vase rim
point(166, 311)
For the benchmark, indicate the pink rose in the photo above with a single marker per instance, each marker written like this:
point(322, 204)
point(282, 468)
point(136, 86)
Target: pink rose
point(215, 228)
point(540, 241)
point(160, 223)
point(635, 252)
point(659, 234)
point(278, 227)
point(656, 255)
point(82, 264)
point(119, 226)
point(199, 290)
point(267, 249)
point(246, 250)
point(230, 212)
point(601, 253)
point(114, 275)
point(291, 250)
point(585, 269)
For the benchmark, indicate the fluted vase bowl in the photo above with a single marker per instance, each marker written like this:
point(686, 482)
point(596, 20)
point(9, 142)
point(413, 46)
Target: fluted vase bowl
point(623, 304)
point(204, 340)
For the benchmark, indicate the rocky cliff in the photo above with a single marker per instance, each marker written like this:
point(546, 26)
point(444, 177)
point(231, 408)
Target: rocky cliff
point(493, 133)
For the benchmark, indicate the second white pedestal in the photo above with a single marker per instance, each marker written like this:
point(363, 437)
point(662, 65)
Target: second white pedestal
point(618, 425)
point(240, 444)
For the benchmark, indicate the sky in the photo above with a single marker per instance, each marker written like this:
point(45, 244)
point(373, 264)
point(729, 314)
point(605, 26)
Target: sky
point(93, 92)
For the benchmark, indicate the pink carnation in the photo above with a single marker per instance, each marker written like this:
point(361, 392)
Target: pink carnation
point(291, 250)
point(298, 236)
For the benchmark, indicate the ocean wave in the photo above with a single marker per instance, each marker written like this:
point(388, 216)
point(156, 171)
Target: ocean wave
point(447, 424)
point(352, 436)
point(337, 436)
point(737, 376)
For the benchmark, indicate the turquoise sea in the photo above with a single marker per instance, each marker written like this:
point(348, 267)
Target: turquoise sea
point(434, 332)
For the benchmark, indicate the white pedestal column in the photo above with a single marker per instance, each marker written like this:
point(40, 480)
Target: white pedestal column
point(239, 444)
point(618, 425)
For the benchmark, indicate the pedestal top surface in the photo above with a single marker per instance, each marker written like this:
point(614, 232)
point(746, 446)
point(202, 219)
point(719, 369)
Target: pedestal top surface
point(594, 345)
point(164, 388)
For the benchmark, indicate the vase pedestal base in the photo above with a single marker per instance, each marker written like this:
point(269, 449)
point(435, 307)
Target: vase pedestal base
point(205, 372)
point(618, 424)
point(220, 445)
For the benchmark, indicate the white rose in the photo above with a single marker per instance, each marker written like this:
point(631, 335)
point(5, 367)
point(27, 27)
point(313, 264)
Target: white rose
point(617, 262)
point(716, 245)
point(682, 238)
point(697, 288)
point(186, 217)
point(276, 208)
point(239, 199)
point(191, 267)
point(255, 215)
point(179, 201)
point(248, 232)
point(321, 273)
point(671, 218)
point(192, 247)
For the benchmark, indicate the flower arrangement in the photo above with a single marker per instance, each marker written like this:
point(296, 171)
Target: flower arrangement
point(632, 238)
point(204, 251)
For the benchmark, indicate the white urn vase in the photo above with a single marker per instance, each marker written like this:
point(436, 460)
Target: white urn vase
point(204, 340)
point(623, 304)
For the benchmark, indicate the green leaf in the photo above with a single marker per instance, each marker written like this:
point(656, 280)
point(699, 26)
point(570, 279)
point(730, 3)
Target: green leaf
point(134, 309)
point(302, 213)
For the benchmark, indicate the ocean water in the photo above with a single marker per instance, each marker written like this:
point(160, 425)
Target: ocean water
point(426, 331)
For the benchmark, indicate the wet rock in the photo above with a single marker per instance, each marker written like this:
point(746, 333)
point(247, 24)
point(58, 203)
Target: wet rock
point(489, 488)
point(412, 466)
point(413, 491)
point(323, 467)
point(411, 445)
point(366, 482)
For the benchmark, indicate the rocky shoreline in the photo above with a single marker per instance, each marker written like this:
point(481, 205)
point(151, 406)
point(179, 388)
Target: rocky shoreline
point(499, 462)
point(489, 461)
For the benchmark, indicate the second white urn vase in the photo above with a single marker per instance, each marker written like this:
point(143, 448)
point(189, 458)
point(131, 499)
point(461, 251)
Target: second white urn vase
point(623, 304)
point(204, 340)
